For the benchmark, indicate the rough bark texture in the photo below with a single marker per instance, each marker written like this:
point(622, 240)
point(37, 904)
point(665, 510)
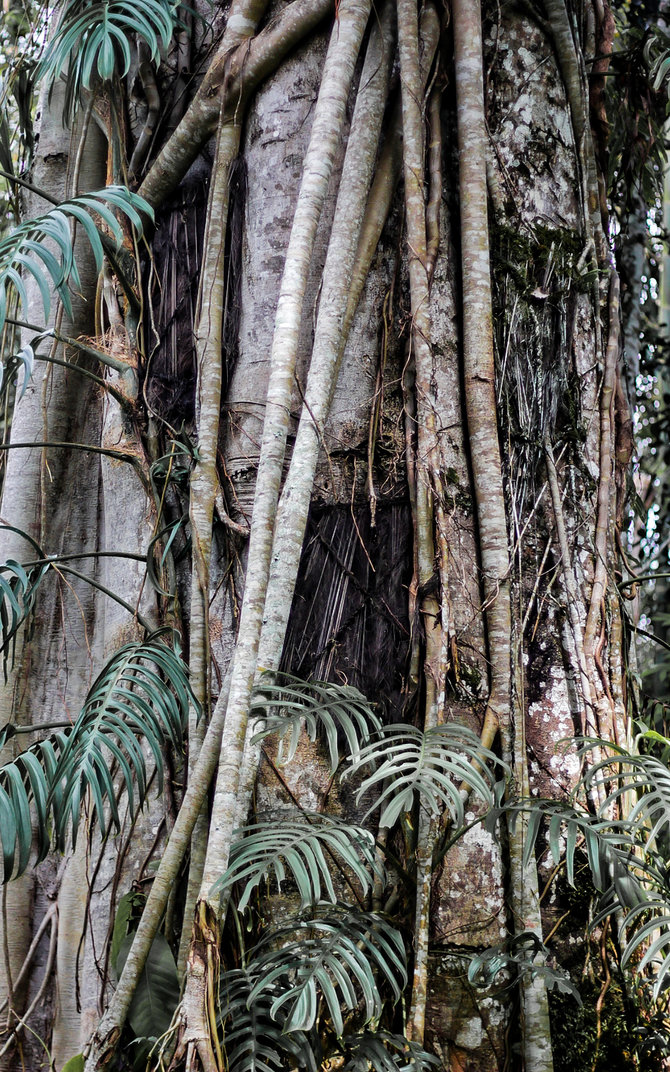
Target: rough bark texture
point(456, 443)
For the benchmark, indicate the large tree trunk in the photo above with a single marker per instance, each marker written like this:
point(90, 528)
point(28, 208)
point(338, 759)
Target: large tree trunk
point(457, 446)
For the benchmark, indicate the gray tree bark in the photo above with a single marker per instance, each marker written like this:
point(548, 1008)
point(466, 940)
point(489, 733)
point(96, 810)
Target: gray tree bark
point(455, 444)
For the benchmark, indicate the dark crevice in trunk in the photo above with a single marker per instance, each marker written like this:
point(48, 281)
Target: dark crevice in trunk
point(349, 620)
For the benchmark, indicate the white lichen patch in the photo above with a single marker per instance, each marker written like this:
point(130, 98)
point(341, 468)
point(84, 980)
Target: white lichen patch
point(553, 713)
point(469, 1037)
point(470, 897)
point(532, 129)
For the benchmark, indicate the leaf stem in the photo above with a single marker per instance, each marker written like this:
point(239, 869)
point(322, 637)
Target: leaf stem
point(123, 367)
point(133, 611)
point(120, 455)
point(29, 186)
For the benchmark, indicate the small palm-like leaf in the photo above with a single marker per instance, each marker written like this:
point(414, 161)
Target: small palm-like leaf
point(336, 957)
point(648, 925)
point(568, 829)
point(657, 58)
point(92, 36)
point(167, 534)
point(6, 156)
point(24, 359)
point(289, 704)
point(92, 41)
point(299, 846)
point(381, 1051)
point(26, 250)
point(430, 765)
point(128, 701)
point(18, 591)
point(518, 955)
point(24, 781)
point(254, 1040)
point(23, 91)
point(644, 779)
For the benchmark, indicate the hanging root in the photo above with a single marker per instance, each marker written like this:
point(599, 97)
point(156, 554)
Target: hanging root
point(337, 305)
point(153, 100)
point(569, 583)
point(435, 180)
point(479, 368)
point(239, 66)
point(603, 507)
point(204, 485)
point(427, 468)
point(350, 252)
point(574, 80)
point(324, 142)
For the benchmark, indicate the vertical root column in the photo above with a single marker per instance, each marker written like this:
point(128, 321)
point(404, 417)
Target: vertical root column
point(480, 401)
point(204, 481)
point(427, 469)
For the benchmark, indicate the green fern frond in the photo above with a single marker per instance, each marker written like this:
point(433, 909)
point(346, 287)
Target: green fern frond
point(410, 763)
point(23, 359)
point(128, 702)
point(167, 535)
point(254, 1040)
point(647, 927)
point(29, 248)
point(656, 56)
point(298, 846)
point(382, 1051)
point(175, 467)
point(289, 704)
point(6, 147)
point(93, 41)
point(517, 956)
point(18, 591)
point(26, 781)
point(644, 780)
point(567, 829)
point(335, 957)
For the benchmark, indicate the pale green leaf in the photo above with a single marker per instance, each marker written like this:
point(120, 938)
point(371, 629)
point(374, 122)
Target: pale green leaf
point(314, 955)
point(129, 700)
point(254, 1040)
point(92, 41)
point(288, 705)
point(381, 1051)
point(25, 247)
point(298, 844)
point(410, 764)
point(75, 1064)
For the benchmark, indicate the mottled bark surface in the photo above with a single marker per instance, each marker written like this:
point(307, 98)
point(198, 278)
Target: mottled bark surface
point(408, 406)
